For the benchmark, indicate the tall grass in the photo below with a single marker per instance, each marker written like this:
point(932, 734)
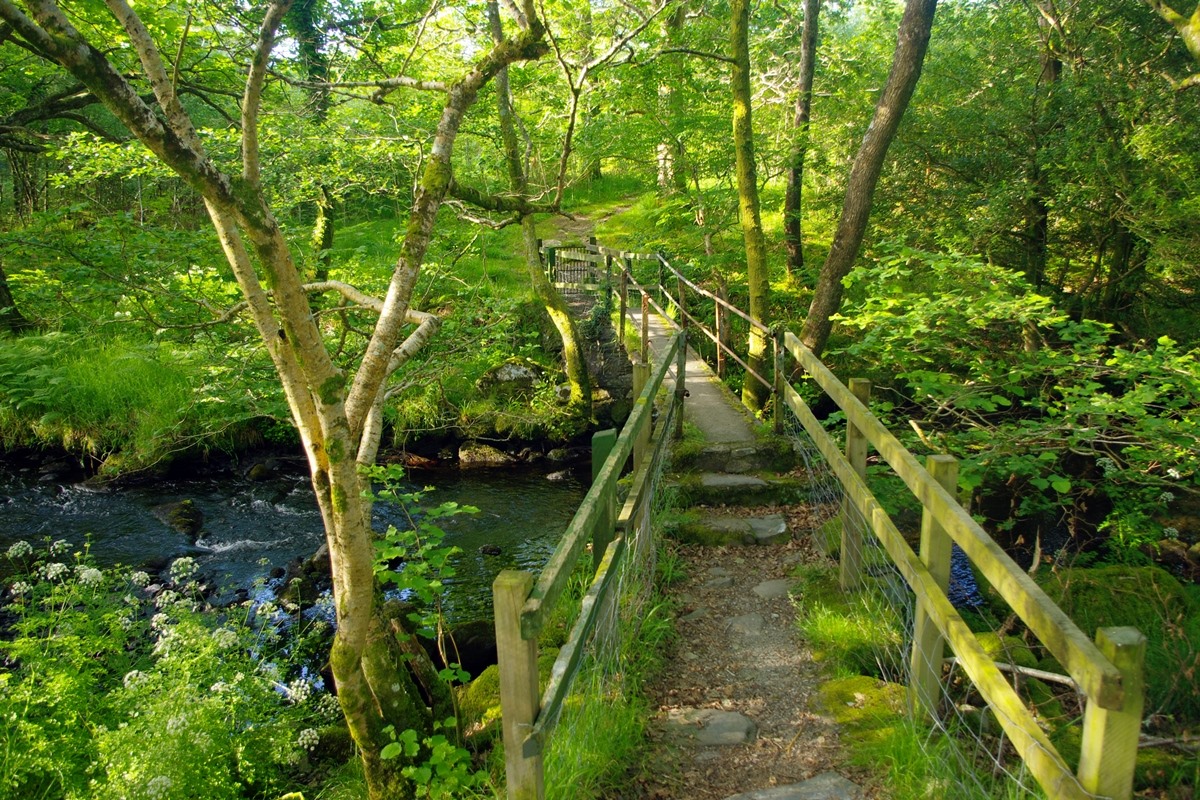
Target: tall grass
point(114, 399)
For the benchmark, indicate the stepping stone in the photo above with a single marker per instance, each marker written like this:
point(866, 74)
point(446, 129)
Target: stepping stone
point(721, 480)
point(769, 590)
point(718, 572)
point(747, 623)
point(699, 613)
point(769, 530)
point(720, 582)
point(711, 728)
point(715, 530)
point(826, 786)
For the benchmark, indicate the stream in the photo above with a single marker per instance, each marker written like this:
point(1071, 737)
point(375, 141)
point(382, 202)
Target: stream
point(252, 527)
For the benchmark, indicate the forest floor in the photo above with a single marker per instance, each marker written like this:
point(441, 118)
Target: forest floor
point(739, 651)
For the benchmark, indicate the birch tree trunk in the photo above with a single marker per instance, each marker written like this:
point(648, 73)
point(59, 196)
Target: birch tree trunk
point(754, 393)
point(338, 416)
point(911, 45)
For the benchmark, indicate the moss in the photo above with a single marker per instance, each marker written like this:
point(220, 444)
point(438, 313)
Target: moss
point(479, 700)
point(866, 708)
point(1007, 650)
point(331, 390)
point(1156, 768)
point(1154, 602)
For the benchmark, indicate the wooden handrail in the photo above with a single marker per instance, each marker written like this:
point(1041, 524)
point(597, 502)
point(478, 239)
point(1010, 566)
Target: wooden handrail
point(1082, 660)
point(557, 571)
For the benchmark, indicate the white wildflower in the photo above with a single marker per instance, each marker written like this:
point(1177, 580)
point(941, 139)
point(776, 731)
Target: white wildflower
point(60, 546)
point(1171, 473)
point(1165, 498)
point(55, 570)
point(139, 578)
point(218, 687)
point(159, 621)
point(225, 638)
point(299, 690)
point(183, 568)
point(157, 787)
point(1170, 533)
point(176, 724)
point(89, 576)
point(328, 707)
point(166, 598)
point(19, 549)
point(134, 678)
point(308, 738)
point(20, 588)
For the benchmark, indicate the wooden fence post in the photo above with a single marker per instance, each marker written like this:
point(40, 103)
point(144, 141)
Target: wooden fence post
point(551, 263)
point(645, 328)
point(602, 445)
point(780, 351)
point(517, 659)
point(681, 301)
point(1110, 736)
point(623, 290)
point(608, 284)
point(722, 327)
point(680, 389)
point(929, 648)
point(851, 566)
point(641, 376)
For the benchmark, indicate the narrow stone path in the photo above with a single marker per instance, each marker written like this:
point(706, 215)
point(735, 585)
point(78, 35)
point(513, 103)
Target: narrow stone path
point(735, 712)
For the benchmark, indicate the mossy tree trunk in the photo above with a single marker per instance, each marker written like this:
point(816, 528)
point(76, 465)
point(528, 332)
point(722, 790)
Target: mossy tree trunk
point(793, 231)
point(338, 416)
point(574, 361)
point(911, 45)
point(11, 318)
point(754, 393)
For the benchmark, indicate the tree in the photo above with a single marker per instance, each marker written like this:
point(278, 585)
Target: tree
point(338, 416)
point(793, 237)
point(911, 45)
point(1188, 29)
point(754, 394)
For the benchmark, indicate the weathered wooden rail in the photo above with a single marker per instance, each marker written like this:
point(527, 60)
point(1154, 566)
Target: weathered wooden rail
point(523, 603)
point(1107, 672)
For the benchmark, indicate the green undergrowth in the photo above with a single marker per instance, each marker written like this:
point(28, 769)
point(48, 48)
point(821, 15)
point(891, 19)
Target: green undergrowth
point(127, 404)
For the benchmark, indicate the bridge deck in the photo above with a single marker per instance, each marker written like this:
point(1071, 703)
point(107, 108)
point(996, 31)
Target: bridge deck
point(710, 406)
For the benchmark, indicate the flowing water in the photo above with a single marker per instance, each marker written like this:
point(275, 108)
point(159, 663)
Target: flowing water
point(250, 528)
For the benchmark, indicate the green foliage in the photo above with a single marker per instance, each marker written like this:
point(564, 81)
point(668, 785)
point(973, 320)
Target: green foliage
point(445, 772)
point(847, 630)
point(1154, 602)
point(135, 403)
point(413, 560)
point(113, 690)
point(1034, 403)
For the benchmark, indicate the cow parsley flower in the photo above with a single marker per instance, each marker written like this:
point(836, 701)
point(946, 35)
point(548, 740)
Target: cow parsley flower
point(55, 570)
point(20, 588)
point(158, 787)
point(225, 638)
point(308, 738)
point(183, 568)
point(89, 576)
point(19, 549)
point(60, 546)
point(134, 678)
point(139, 578)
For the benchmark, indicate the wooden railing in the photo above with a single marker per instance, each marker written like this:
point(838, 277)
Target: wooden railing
point(523, 603)
point(1108, 672)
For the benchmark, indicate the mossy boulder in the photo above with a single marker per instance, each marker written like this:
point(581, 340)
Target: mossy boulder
point(479, 700)
point(1153, 601)
point(866, 708)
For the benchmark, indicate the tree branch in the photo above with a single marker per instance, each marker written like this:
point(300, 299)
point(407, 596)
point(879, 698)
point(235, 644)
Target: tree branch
point(252, 100)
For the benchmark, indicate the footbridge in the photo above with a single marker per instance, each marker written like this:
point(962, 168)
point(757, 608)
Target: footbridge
point(684, 337)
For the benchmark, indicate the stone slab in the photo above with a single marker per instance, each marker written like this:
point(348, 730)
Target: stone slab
point(721, 480)
point(826, 786)
point(771, 529)
point(747, 623)
point(711, 728)
point(769, 590)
